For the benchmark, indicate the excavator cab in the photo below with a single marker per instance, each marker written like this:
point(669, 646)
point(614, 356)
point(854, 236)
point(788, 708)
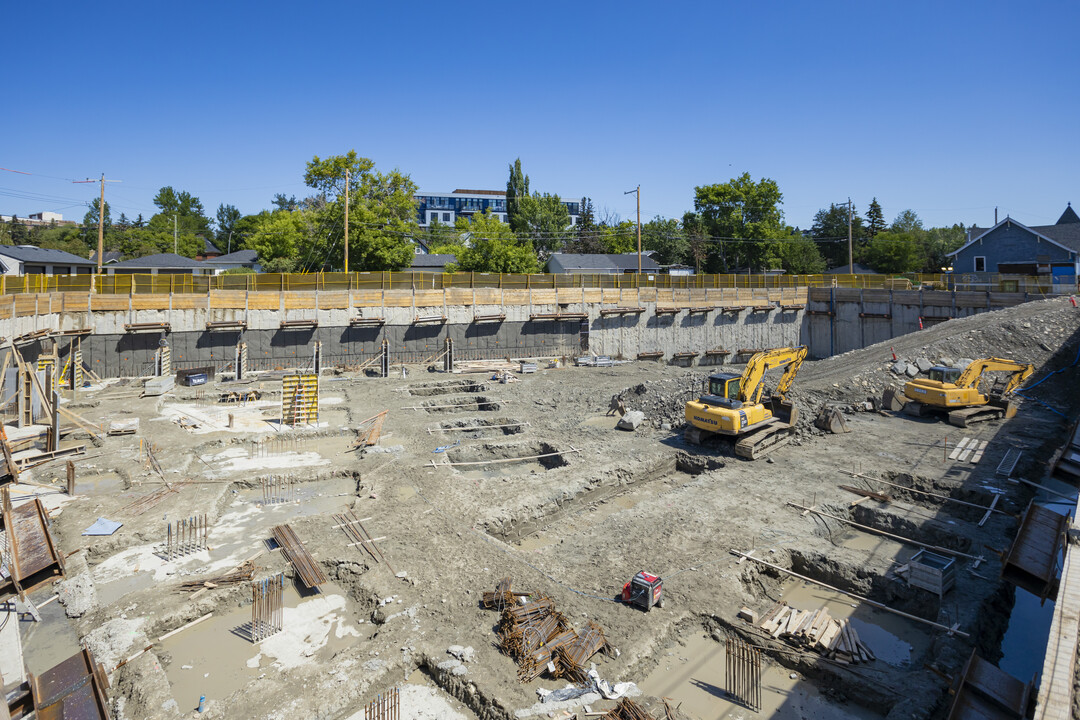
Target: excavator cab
point(945, 374)
point(722, 389)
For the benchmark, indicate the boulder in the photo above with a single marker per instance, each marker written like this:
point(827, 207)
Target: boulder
point(946, 361)
point(911, 370)
point(900, 367)
point(924, 364)
point(963, 362)
point(631, 420)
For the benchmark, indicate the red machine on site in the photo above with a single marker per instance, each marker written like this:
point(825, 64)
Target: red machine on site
point(644, 590)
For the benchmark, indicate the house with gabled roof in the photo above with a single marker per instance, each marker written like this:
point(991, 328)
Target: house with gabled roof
point(1010, 247)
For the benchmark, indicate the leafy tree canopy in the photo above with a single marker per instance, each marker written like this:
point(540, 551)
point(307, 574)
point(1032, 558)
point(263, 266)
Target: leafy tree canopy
point(493, 248)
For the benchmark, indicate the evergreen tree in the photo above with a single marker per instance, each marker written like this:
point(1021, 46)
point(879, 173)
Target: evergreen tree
point(517, 187)
point(875, 219)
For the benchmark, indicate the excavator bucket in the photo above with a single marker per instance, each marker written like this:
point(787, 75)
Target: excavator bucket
point(830, 419)
point(893, 400)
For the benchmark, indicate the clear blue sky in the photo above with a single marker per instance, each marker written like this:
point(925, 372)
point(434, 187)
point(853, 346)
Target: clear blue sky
point(948, 108)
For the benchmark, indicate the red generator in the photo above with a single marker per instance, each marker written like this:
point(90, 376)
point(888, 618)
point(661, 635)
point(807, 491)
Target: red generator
point(644, 590)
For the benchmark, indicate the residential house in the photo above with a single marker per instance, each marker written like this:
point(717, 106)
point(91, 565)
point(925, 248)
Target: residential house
point(1010, 247)
point(232, 261)
point(432, 263)
point(209, 251)
point(160, 264)
point(32, 260)
point(599, 264)
point(108, 257)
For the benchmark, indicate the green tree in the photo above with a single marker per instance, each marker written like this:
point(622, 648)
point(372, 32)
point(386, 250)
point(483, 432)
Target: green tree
point(517, 187)
point(18, 234)
point(668, 239)
point(875, 219)
point(938, 243)
point(907, 221)
point(277, 238)
point(281, 202)
point(830, 232)
point(800, 256)
point(493, 248)
point(183, 213)
point(621, 238)
point(227, 217)
point(544, 220)
point(382, 214)
point(743, 216)
point(894, 251)
point(90, 223)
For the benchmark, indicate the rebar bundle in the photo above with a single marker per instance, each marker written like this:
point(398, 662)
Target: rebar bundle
point(627, 709)
point(385, 706)
point(267, 606)
point(570, 659)
point(743, 671)
point(186, 536)
point(533, 664)
point(501, 598)
point(244, 573)
point(277, 489)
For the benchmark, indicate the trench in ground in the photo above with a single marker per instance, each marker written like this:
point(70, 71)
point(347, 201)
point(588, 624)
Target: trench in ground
point(621, 491)
point(481, 403)
point(450, 387)
point(481, 427)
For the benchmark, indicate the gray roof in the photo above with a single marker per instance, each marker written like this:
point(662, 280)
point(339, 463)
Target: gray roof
point(1069, 216)
point(34, 254)
point(161, 260)
point(432, 261)
point(1068, 234)
point(860, 269)
point(209, 247)
point(240, 257)
point(110, 256)
point(566, 262)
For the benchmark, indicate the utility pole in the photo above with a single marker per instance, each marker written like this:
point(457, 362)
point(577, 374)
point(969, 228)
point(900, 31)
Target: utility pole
point(101, 217)
point(637, 191)
point(174, 240)
point(347, 221)
point(850, 254)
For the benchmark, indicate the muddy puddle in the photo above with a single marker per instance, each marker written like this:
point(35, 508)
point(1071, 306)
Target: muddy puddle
point(693, 675)
point(47, 643)
point(893, 639)
point(103, 483)
point(216, 658)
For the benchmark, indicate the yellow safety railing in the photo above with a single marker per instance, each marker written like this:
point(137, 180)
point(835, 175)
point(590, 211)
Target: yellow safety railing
point(128, 284)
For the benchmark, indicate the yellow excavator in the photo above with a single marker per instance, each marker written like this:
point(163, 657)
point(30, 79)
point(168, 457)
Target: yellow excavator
point(732, 405)
point(956, 392)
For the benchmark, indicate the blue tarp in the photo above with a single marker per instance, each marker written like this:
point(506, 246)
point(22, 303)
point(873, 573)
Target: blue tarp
point(102, 526)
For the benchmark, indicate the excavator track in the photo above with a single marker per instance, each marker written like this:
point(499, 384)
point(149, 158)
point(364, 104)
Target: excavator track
point(972, 415)
point(759, 444)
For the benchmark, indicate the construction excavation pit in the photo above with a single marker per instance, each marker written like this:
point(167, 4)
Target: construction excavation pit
point(487, 540)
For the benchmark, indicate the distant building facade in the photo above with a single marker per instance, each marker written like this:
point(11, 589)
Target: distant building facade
point(446, 208)
point(1010, 247)
point(32, 260)
point(41, 219)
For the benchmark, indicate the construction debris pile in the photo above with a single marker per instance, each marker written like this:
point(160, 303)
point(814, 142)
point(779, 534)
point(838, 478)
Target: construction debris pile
point(816, 630)
point(538, 637)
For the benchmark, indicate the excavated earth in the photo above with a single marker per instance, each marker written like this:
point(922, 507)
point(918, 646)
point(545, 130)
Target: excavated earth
point(574, 524)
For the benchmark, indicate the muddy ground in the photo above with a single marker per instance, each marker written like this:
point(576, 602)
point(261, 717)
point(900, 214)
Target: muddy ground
point(574, 526)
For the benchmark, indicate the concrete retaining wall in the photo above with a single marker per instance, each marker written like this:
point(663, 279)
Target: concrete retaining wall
point(111, 351)
point(841, 319)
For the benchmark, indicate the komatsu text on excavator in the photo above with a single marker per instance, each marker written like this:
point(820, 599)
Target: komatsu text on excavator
point(732, 405)
point(956, 392)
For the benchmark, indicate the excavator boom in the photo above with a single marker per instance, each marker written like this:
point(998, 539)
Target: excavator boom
point(974, 371)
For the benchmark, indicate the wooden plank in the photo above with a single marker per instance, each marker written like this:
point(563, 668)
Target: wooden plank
point(990, 510)
point(967, 450)
point(979, 453)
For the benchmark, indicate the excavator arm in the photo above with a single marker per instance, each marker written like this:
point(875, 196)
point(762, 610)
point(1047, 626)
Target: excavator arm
point(761, 363)
point(1020, 372)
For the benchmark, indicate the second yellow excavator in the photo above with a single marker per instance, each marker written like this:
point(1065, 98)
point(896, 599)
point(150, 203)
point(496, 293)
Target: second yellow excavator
point(956, 392)
point(732, 405)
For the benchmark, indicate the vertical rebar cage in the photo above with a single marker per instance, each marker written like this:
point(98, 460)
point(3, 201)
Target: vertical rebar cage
point(743, 668)
point(267, 606)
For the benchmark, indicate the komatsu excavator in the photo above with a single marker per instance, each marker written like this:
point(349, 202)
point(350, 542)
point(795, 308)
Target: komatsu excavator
point(956, 392)
point(732, 405)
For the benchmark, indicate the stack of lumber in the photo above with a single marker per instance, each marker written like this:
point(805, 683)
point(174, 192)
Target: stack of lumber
point(483, 366)
point(816, 630)
point(627, 710)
